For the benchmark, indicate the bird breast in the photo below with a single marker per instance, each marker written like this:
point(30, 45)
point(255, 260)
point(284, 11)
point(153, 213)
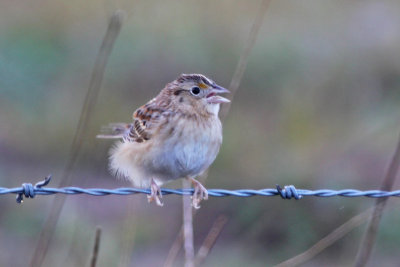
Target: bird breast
point(186, 146)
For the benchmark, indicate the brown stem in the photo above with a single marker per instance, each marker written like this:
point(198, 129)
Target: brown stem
point(96, 247)
point(129, 232)
point(91, 97)
point(211, 238)
point(327, 241)
point(244, 57)
point(188, 227)
point(176, 246)
point(174, 250)
point(239, 71)
point(368, 241)
point(370, 235)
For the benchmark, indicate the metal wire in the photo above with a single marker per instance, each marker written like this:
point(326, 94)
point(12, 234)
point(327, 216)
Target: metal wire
point(30, 191)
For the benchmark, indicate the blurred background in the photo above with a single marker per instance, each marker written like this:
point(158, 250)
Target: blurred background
point(318, 107)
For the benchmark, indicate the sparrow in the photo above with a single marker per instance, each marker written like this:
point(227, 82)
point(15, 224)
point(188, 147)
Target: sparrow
point(175, 135)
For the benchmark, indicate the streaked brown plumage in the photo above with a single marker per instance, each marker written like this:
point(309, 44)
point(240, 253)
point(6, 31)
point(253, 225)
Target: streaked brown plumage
point(175, 135)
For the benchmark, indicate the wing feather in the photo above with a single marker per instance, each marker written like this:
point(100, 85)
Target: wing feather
point(146, 120)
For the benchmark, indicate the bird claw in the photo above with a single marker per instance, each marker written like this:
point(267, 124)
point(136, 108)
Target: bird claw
point(155, 195)
point(200, 193)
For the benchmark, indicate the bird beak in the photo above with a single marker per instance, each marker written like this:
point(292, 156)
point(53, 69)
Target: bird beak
point(214, 98)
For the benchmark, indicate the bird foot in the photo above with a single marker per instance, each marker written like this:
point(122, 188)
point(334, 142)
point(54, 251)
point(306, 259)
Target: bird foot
point(156, 194)
point(200, 193)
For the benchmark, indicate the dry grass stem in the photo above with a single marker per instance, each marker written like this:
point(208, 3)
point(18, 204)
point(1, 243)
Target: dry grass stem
point(244, 57)
point(211, 238)
point(129, 233)
point(176, 246)
point(328, 240)
point(233, 87)
point(96, 248)
point(372, 229)
point(47, 232)
point(369, 238)
point(188, 226)
point(174, 250)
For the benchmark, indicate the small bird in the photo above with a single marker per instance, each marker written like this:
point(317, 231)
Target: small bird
point(175, 135)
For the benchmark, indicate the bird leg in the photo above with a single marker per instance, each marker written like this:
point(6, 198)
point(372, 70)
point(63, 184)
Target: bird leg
point(155, 194)
point(200, 193)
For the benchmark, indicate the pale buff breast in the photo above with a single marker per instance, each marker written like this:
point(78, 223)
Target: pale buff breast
point(187, 149)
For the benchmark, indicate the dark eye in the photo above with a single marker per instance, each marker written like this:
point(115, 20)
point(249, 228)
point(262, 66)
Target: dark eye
point(195, 90)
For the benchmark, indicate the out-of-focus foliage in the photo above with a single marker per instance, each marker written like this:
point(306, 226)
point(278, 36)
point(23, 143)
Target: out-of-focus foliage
point(318, 107)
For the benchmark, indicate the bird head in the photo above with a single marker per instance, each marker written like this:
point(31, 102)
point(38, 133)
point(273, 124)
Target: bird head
point(198, 92)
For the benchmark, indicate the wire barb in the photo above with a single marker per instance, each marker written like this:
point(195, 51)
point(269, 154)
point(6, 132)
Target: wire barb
point(29, 191)
point(288, 192)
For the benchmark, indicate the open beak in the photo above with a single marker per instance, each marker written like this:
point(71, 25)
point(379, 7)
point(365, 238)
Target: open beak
point(214, 98)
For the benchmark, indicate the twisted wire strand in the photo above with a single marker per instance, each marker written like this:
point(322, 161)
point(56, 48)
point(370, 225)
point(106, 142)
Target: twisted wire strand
point(30, 191)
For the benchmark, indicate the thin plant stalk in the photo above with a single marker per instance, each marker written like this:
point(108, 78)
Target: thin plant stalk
point(174, 250)
point(234, 86)
point(211, 238)
point(368, 241)
point(96, 248)
point(48, 228)
point(327, 241)
point(129, 233)
point(244, 57)
point(188, 227)
point(176, 246)
point(370, 235)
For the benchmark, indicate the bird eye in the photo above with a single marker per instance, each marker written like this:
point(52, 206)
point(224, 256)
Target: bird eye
point(195, 90)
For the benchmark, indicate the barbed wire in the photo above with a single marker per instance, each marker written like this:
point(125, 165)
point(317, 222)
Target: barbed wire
point(287, 192)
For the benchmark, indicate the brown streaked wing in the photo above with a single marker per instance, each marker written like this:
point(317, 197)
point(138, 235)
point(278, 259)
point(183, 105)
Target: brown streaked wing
point(145, 120)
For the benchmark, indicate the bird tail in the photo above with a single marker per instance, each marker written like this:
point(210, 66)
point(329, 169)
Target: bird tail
point(114, 130)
